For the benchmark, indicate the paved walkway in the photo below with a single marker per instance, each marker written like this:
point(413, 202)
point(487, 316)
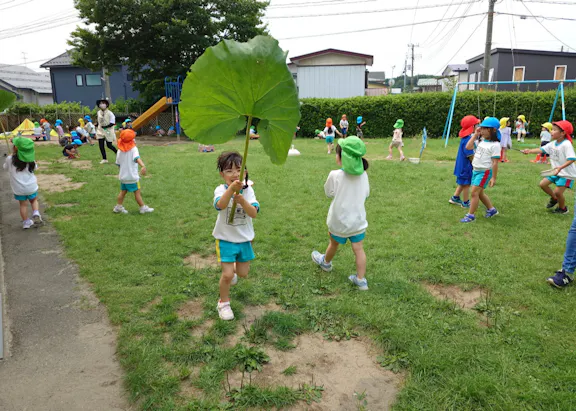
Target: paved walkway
point(59, 348)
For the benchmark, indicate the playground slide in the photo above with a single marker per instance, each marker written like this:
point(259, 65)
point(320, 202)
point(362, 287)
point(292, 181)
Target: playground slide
point(152, 112)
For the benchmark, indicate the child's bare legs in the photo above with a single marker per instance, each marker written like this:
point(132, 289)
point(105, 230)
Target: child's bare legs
point(504, 158)
point(475, 199)
point(24, 210)
point(242, 269)
point(225, 280)
point(559, 193)
point(401, 152)
point(485, 200)
point(331, 250)
point(138, 197)
point(121, 197)
point(35, 205)
point(390, 151)
point(464, 190)
point(358, 249)
point(545, 186)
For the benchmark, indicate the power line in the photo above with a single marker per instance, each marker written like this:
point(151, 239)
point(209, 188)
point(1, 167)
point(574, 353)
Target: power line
point(537, 17)
point(431, 6)
point(378, 28)
point(40, 21)
point(318, 4)
point(17, 5)
point(569, 3)
point(29, 62)
point(545, 28)
point(440, 44)
point(438, 25)
point(435, 40)
point(412, 30)
point(54, 25)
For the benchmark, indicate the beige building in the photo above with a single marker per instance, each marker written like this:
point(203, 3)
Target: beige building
point(28, 85)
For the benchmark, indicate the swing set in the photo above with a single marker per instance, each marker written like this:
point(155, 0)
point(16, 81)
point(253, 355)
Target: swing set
point(559, 93)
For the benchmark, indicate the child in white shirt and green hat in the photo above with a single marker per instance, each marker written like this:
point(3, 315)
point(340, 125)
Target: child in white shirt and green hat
point(397, 140)
point(349, 188)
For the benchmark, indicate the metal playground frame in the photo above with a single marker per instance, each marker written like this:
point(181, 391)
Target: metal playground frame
point(559, 92)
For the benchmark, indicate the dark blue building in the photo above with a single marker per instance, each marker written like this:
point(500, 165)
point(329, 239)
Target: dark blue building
point(72, 83)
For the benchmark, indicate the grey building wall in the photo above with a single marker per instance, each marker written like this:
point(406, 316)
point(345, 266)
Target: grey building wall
point(64, 85)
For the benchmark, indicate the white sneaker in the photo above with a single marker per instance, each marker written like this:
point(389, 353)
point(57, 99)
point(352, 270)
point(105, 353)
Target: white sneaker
point(27, 224)
point(37, 219)
point(224, 311)
point(234, 280)
point(104, 162)
point(120, 209)
point(145, 209)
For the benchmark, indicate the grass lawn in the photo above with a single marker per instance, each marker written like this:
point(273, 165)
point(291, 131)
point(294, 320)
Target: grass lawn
point(514, 351)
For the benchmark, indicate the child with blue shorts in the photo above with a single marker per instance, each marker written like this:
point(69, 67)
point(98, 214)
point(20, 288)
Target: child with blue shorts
point(485, 167)
point(329, 132)
point(349, 188)
point(463, 166)
point(233, 240)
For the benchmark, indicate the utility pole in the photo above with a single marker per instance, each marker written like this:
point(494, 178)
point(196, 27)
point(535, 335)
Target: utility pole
point(490, 25)
point(404, 88)
point(24, 57)
point(106, 78)
point(412, 66)
point(393, 67)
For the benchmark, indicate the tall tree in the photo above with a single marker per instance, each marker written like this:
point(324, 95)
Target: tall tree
point(159, 38)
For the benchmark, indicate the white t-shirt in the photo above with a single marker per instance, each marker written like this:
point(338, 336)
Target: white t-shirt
point(347, 214)
point(128, 165)
point(484, 153)
point(90, 128)
point(344, 124)
point(397, 135)
point(37, 131)
point(545, 136)
point(322, 134)
point(333, 128)
point(241, 230)
point(23, 182)
point(81, 131)
point(559, 154)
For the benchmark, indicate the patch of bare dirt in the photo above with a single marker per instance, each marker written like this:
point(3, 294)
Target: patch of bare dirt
point(202, 329)
point(80, 164)
point(151, 305)
point(251, 314)
point(463, 299)
point(43, 163)
point(191, 310)
point(199, 262)
point(57, 183)
point(342, 368)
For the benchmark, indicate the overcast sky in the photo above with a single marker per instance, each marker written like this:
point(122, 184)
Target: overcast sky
point(440, 42)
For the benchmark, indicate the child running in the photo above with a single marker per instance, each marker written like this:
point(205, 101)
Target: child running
point(506, 139)
point(21, 166)
point(89, 127)
point(485, 167)
point(397, 140)
point(562, 157)
point(329, 132)
point(344, 125)
point(128, 159)
point(359, 124)
point(233, 240)
point(349, 188)
point(545, 138)
point(463, 166)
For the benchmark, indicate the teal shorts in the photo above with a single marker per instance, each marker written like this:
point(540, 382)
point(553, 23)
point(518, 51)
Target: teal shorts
point(132, 187)
point(481, 178)
point(354, 239)
point(28, 197)
point(228, 252)
point(329, 140)
point(561, 181)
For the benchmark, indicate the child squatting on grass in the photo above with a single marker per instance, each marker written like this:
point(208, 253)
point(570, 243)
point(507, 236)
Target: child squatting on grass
point(349, 188)
point(233, 240)
point(21, 166)
point(562, 157)
point(128, 159)
point(485, 167)
point(463, 166)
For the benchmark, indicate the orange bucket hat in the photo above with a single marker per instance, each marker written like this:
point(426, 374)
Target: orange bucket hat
point(328, 122)
point(126, 141)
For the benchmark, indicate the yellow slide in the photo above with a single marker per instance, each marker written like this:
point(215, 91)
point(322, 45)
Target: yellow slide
point(152, 112)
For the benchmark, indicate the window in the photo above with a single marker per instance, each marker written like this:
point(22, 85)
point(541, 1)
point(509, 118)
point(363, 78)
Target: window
point(472, 80)
point(93, 80)
point(129, 77)
point(560, 72)
point(79, 80)
point(518, 74)
point(491, 75)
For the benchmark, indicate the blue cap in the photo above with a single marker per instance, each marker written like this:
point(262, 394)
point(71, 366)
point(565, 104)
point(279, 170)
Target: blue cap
point(359, 119)
point(58, 122)
point(77, 142)
point(128, 120)
point(74, 134)
point(492, 122)
point(157, 127)
point(87, 118)
point(171, 128)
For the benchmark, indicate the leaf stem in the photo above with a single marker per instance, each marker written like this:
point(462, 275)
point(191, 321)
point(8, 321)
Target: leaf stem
point(242, 168)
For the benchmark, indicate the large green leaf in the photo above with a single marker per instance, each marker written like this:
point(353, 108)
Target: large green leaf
point(233, 81)
point(6, 99)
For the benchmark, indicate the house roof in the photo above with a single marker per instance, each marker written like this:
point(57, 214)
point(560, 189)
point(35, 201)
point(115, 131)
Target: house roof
point(63, 59)
point(369, 59)
point(377, 76)
point(20, 77)
point(458, 67)
point(524, 51)
point(427, 82)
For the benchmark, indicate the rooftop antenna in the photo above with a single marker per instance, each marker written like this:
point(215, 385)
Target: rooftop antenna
point(24, 57)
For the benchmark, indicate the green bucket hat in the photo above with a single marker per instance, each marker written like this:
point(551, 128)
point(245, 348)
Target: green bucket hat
point(399, 123)
point(353, 149)
point(316, 132)
point(25, 148)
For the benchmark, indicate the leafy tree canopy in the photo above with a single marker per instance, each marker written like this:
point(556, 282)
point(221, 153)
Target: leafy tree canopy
point(159, 38)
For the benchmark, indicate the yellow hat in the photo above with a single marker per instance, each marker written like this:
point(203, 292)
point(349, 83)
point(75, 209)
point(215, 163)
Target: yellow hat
point(548, 126)
point(504, 121)
point(522, 117)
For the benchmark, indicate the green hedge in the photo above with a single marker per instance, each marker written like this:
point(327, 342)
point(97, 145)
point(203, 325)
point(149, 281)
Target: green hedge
point(49, 111)
point(431, 109)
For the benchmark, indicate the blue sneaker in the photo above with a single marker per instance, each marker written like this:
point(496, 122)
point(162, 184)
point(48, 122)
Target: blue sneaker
point(466, 204)
point(468, 218)
point(455, 200)
point(491, 213)
point(560, 279)
point(361, 284)
point(319, 259)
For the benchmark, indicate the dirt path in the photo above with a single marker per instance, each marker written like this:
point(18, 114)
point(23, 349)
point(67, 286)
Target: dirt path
point(59, 346)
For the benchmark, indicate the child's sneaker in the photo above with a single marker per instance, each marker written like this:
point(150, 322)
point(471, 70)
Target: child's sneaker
point(361, 284)
point(559, 210)
point(455, 200)
point(234, 280)
point(389, 157)
point(319, 259)
point(120, 209)
point(551, 203)
point(104, 162)
point(468, 218)
point(37, 219)
point(491, 213)
point(466, 204)
point(560, 279)
point(402, 158)
point(27, 224)
point(224, 311)
point(145, 209)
